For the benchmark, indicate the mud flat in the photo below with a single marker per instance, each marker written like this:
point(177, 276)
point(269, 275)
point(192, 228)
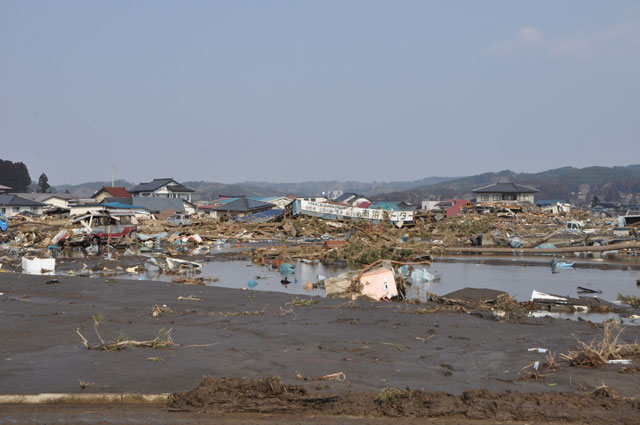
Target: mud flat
point(330, 357)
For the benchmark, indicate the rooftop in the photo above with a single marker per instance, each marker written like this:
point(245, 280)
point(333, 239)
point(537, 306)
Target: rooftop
point(158, 183)
point(345, 197)
point(41, 197)
point(122, 206)
point(154, 204)
point(385, 205)
point(115, 191)
point(261, 216)
point(243, 205)
point(18, 201)
point(505, 188)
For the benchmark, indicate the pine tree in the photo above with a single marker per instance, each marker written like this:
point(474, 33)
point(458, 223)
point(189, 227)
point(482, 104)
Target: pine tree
point(43, 183)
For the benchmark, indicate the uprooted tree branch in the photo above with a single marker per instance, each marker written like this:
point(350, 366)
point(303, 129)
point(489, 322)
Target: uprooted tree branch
point(163, 340)
point(597, 353)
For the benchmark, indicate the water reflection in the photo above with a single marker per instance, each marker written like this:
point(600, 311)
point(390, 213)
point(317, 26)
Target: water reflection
point(517, 280)
point(245, 274)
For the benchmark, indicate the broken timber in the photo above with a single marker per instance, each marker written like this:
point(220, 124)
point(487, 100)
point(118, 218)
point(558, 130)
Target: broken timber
point(493, 250)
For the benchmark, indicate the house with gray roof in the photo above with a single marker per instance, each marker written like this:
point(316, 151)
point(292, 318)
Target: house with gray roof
point(60, 200)
point(158, 205)
point(505, 192)
point(239, 208)
point(12, 205)
point(162, 188)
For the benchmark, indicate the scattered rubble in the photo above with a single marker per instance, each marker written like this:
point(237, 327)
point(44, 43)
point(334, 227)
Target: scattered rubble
point(386, 258)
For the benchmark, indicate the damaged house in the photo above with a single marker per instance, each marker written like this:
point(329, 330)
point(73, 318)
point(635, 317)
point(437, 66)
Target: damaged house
point(237, 207)
point(164, 208)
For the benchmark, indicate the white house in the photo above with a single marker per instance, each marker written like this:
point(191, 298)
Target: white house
point(12, 204)
point(60, 200)
point(505, 192)
point(162, 188)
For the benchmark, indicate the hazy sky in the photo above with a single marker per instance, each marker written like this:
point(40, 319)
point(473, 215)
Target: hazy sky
point(312, 90)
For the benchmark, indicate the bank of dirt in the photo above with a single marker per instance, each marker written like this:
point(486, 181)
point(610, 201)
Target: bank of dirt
point(270, 395)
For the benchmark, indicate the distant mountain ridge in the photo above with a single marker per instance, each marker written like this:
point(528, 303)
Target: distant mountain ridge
point(211, 190)
point(363, 188)
point(580, 185)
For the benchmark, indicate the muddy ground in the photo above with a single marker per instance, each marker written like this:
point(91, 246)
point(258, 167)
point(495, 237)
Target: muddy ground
point(462, 364)
point(131, 414)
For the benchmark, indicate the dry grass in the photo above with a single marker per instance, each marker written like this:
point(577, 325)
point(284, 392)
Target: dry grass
point(84, 385)
point(631, 300)
point(550, 363)
point(390, 396)
point(596, 353)
point(504, 302)
point(158, 311)
point(605, 392)
point(533, 371)
point(300, 302)
point(424, 310)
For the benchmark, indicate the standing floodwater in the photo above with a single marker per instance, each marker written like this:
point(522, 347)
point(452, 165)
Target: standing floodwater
point(518, 280)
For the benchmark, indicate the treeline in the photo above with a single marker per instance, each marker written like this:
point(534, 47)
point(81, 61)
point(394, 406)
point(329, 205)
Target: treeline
point(15, 175)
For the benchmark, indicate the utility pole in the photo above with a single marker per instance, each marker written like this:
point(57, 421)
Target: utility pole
point(113, 175)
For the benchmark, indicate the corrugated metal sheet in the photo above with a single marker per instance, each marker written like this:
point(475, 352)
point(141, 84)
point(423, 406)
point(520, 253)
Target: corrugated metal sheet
point(384, 205)
point(224, 201)
point(156, 205)
point(243, 205)
point(123, 206)
point(261, 216)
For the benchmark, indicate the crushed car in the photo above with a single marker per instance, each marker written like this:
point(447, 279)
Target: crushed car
point(97, 227)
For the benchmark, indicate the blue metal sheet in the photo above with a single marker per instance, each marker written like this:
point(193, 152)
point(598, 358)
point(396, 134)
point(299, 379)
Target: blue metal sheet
point(261, 216)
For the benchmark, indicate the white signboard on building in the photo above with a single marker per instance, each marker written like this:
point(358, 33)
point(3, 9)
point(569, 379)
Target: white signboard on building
point(320, 208)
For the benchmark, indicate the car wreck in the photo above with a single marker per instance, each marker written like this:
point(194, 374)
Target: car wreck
point(97, 227)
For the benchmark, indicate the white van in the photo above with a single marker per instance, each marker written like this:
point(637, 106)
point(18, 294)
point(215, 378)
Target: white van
point(179, 220)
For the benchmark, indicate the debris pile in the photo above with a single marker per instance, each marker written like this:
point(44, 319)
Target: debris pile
point(608, 349)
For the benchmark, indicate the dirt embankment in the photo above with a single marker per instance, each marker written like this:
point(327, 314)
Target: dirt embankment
point(270, 395)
